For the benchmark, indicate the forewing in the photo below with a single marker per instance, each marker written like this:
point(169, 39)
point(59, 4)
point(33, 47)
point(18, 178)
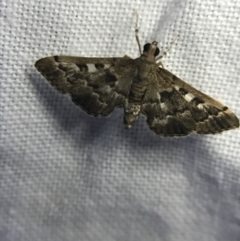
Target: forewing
point(174, 108)
point(97, 85)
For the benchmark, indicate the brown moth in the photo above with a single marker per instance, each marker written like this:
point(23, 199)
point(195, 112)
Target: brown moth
point(140, 86)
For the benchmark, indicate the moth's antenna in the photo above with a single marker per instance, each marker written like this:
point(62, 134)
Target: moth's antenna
point(136, 33)
point(168, 49)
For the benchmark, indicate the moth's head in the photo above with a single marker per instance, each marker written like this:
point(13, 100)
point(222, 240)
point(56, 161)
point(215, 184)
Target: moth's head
point(151, 51)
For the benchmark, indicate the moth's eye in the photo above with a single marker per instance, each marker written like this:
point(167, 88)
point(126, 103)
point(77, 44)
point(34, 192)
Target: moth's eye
point(147, 46)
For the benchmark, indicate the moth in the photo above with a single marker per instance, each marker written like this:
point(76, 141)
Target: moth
point(141, 86)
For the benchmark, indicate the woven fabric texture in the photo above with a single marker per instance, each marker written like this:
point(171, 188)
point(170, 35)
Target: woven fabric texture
point(65, 175)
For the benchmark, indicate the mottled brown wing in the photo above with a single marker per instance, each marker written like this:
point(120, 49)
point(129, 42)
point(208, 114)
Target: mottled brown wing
point(97, 85)
point(174, 108)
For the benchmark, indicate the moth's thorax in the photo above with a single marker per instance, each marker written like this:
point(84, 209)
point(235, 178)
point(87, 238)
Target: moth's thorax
point(143, 76)
point(145, 68)
point(140, 82)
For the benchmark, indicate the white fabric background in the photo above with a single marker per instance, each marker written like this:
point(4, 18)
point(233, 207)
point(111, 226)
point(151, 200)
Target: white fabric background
point(67, 176)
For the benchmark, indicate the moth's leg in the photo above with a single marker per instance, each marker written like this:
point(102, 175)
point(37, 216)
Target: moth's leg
point(136, 33)
point(167, 50)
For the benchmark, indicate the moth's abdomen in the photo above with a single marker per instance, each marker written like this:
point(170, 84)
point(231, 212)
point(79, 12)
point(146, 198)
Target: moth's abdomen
point(133, 104)
point(136, 93)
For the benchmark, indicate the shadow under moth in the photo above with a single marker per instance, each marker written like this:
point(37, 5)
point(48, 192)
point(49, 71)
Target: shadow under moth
point(141, 86)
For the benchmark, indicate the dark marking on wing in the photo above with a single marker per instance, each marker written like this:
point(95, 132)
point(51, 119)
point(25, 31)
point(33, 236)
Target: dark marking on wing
point(99, 66)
